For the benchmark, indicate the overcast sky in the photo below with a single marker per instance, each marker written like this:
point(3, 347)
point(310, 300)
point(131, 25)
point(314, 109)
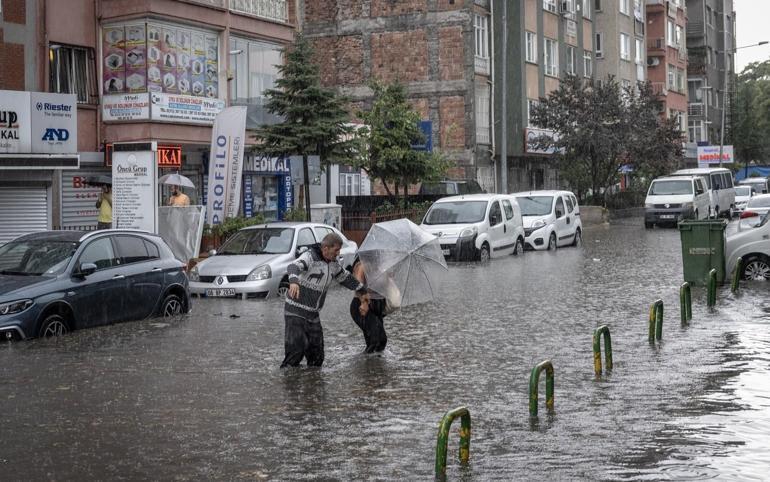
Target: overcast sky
point(752, 18)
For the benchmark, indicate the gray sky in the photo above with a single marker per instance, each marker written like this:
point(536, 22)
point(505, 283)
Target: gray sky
point(751, 27)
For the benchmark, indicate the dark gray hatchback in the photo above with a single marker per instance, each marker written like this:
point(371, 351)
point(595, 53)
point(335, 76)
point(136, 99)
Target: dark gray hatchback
point(53, 282)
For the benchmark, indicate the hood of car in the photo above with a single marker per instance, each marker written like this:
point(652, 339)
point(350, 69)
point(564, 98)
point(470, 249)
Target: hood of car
point(234, 264)
point(445, 230)
point(10, 284)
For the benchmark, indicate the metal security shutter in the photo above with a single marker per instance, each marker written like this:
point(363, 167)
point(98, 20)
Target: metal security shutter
point(22, 210)
point(78, 201)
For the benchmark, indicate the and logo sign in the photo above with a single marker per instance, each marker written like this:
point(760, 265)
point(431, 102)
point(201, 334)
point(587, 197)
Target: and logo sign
point(170, 156)
point(54, 135)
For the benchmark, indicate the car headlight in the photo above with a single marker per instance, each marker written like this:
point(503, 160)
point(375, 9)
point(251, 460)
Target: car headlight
point(193, 274)
point(649, 205)
point(468, 232)
point(538, 224)
point(687, 205)
point(263, 272)
point(13, 307)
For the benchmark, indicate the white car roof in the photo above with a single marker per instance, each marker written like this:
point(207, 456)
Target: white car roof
point(675, 178)
point(700, 170)
point(758, 198)
point(542, 192)
point(472, 197)
point(753, 180)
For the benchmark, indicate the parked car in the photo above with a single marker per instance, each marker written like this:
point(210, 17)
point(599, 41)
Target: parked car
point(451, 188)
point(53, 282)
point(476, 226)
point(719, 186)
point(671, 199)
point(760, 184)
point(756, 207)
point(753, 246)
point(551, 219)
point(252, 263)
point(742, 195)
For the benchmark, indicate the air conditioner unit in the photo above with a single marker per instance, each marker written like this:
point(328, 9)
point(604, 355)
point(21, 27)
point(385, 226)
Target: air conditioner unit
point(653, 61)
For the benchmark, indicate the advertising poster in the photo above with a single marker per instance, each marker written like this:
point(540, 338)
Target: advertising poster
point(226, 165)
point(168, 60)
point(114, 71)
point(53, 123)
point(708, 156)
point(154, 80)
point(14, 122)
point(184, 108)
point(212, 67)
point(136, 58)
point(126, 107)
point(183, 61)
point(198, 65)
point(134, 190)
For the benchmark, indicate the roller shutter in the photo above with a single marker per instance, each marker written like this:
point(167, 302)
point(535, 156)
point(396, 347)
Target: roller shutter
point(22, 210)
point(78, 201)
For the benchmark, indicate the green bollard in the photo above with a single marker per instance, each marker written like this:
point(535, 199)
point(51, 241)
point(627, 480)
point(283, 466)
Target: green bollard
point(443, 435)
point(534, 379)
point(711, 299)
point(737, 276)
point(685, 303)
point(656, 320)
point(602, 330)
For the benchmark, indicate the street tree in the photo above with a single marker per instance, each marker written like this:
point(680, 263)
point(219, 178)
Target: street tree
point(750, 132)
point(314, 119)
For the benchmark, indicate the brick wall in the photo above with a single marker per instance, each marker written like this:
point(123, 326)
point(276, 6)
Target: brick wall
point(340, 59)
point(386, 8)
point(450, 53)
point(400, 56)
point(15, 11)
point(452, 111)
point(421, 106)
point(12, 71)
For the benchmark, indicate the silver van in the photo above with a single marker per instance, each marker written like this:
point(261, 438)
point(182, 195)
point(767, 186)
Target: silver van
point(719, 184)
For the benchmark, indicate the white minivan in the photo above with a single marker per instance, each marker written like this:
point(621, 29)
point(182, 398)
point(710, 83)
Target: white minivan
point(551, 219)
point(671, 199)
point(476, 226)
point(720, 187)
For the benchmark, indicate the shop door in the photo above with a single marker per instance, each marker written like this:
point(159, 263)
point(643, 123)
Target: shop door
point(78, 201)
point(22, 210)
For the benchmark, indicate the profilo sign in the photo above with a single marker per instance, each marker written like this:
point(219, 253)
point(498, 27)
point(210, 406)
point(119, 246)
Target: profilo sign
point(226, 165)
point(38, 123)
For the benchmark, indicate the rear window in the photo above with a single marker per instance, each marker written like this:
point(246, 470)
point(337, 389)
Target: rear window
point(759, 202)
point(742, 191)
point(670, 187)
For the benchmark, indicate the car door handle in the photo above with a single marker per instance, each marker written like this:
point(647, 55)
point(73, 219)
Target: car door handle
point(766, 236)
point(505, 228)
point(567, 220)
point(118, 276)
point(155, 270)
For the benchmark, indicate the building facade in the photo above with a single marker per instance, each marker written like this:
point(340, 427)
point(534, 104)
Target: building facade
point(619, 41)
point(710, 72)
point(440, 50)
point(547, 39)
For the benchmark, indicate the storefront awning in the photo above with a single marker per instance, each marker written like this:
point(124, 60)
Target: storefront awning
point(39, 161)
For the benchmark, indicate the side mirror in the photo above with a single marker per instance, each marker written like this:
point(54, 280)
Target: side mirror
point(213, 252)
point(86, 269)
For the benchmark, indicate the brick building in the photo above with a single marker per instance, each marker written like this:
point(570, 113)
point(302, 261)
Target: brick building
point(439, 49)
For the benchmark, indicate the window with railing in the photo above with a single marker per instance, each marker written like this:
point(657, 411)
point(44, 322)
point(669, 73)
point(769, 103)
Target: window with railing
point(73, 71)
point(482, 114)
point(481, 28)
point(253, 70)
point(268, 9)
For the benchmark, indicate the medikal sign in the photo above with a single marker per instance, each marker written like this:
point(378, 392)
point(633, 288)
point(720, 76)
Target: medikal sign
point(709, 155)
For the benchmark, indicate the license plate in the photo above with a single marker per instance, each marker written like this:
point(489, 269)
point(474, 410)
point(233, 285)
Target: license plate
point(666, 216)
point(445, 252)
point(221, 292)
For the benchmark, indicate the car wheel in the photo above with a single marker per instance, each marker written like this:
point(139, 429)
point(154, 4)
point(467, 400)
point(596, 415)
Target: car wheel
point(283, 288)
point(519, 248)
point(53, 325)
point(484, 253)
point(552, 242)
point(578, 241)
point(757, 269)
point(171, 306)
point(648, 225)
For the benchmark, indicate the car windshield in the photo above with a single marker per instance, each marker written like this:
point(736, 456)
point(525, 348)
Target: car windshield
point(456, 212)
point(742, 191)
point(664, 188)
point(259, 241)
point(759, 202)
point(36, 257)
point(535, 205)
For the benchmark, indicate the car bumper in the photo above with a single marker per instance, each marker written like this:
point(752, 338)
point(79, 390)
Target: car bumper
point(19, 326)
point(671, 215)
point(536, 240)
point(460, 249)
point(246, 289)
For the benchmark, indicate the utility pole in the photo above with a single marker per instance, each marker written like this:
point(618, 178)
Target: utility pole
point(504, 101)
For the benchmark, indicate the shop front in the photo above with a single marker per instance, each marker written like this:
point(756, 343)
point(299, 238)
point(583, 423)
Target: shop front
point(267, 187)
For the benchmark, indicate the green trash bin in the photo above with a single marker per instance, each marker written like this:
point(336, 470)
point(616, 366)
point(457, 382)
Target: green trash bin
point(703, 248)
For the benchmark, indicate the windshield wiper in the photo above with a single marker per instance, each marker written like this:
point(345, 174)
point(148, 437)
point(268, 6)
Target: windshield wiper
point(17, 273)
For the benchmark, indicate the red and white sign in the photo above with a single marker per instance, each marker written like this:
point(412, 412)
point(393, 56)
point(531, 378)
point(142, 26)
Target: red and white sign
point(709, 155)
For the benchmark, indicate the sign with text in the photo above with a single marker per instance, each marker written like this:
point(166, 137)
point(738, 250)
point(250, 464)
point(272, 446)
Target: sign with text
point(38, 123)
point(126, 107)
point(184, 108)
point(170, 156)
point(276, 165)
point(532, 138)
point(134, 190)
point(709, 155)
point(226, 165)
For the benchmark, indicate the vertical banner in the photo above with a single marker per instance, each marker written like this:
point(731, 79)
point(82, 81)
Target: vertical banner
point(226, 165)
point(134, 191)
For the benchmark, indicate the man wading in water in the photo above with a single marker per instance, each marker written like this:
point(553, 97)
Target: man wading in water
point(309, 279)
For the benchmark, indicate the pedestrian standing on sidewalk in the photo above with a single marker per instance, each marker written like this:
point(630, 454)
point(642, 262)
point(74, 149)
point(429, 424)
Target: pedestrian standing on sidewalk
point(309, 279)
point(104, 205)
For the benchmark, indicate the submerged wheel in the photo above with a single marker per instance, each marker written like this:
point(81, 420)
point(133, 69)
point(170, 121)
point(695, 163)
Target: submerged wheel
point(171, 306)
point(519, 248)
point(552, 242)
point(53, 325)
point(484, 253)
point(578, 241)
point(283, 288)
point(757, 269)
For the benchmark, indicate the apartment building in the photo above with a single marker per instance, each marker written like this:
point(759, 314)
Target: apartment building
point(439, 49)
point(619, 41)
point(546, 40)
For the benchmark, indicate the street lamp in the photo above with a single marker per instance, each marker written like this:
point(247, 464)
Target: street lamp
point(724, 94)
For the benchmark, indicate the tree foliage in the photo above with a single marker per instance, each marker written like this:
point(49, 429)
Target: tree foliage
point(600, 127)
point(750, 133)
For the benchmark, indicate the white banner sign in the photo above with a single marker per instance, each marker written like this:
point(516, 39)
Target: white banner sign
point(184, 108)
point(126, 107)
point(38, 123)
point(709, 155)
point(226, 165)
point(134, 191)
point(14, 122)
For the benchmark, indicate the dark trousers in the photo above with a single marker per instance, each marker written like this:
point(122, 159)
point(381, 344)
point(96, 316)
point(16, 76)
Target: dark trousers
point(374, 333)
point(303, 339)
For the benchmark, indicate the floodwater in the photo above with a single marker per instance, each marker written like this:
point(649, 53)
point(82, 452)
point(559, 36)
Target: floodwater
point(202, 397)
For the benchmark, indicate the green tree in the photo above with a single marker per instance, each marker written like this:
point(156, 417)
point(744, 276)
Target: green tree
point(314, 119)
point(391, 128)
point(750, 132)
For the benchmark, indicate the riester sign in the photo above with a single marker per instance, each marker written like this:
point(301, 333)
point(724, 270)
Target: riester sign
point(38, 123)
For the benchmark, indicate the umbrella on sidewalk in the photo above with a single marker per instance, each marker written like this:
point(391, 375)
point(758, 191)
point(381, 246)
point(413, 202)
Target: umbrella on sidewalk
point(99, 181)
point(176, 179)
point(402, 262)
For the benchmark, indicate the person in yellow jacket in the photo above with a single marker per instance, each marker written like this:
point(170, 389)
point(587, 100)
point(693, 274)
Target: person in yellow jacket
point(104, 205)
point(178, 198)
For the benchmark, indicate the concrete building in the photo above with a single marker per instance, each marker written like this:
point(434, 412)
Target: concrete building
point(619, 41)
point(546, 40)
point(439, 49)
point(152, 71)
point(711, 51)
point(667, 57)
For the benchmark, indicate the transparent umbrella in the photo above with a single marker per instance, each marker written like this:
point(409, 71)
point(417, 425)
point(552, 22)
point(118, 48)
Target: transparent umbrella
point(176, 179)
point(402, 262)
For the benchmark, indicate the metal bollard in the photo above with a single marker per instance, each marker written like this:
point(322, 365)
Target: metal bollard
point(534, 379)
point(602, 330)
point(656, 320)
point(685, 302)
point(711, 299)
point(737, 276)
point(443, 435)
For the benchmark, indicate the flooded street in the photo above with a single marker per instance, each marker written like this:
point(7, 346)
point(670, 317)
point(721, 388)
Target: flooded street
point(202, 397)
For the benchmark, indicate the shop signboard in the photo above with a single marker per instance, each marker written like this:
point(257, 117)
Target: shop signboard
point(184, 108)
point(170, 157)
point(134, 190)
point(126, 107)
point(226, 165)
point(38, 123)
point(709, 155)
point(531, 138)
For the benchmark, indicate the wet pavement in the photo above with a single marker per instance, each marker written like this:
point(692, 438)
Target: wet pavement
point(201, 397)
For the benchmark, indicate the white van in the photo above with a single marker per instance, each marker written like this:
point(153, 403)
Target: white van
point(760, 184)
point(476, 226)
point(551, 219)
point(720, 187)
point(673, 198)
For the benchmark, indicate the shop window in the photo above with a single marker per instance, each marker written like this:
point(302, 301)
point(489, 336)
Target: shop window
point(73, 71)
point(253, 70)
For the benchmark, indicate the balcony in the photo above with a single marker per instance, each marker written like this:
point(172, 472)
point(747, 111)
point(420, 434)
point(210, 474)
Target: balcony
point(695, 29)
point(210, 3)
point(481, 65)
point(696, 109)
point(659, 88)
point(654, 6)
point(656, 46)
point(276, 10)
